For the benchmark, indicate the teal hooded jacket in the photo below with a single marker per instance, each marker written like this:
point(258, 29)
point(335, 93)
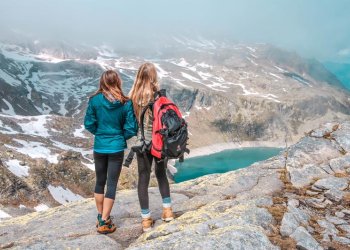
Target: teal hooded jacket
point(112, 123)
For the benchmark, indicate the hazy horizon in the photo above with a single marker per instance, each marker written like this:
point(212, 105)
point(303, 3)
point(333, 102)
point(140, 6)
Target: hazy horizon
point(312, 28)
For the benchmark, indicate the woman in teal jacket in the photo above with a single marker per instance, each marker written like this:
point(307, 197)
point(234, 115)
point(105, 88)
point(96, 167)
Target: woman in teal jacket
point(110, 117)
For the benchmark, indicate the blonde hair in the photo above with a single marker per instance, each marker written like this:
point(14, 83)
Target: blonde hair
point(111, 86)
point(145, 85)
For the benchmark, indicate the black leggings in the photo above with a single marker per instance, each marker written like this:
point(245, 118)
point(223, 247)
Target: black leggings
point(108, 168)
point(144, 178)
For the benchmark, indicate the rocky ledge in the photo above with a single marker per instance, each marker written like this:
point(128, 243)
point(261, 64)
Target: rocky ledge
point(299, 199)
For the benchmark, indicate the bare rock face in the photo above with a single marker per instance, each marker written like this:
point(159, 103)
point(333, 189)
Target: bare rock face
point(258, 207)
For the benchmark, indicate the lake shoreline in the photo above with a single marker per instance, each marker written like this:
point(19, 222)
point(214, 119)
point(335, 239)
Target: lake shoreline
point(216, 148)
point(219, 147)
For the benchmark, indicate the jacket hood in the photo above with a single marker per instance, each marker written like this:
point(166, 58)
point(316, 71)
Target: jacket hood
point(109, 105)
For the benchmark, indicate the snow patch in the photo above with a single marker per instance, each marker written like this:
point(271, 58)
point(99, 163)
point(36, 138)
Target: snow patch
point(178, 81)
point(184, 64)
point(79, 132)
point(63, 195)
point(4, 215)
point(204, 65)
point(49, 58)
point(10, 110)
point(204, 75)
point(83, 152)
point(246, 92)
point(280, 69)
point(34, 150)
point(90, 166)
point(17, 169)
point(31, 125)
point(161, 72)
point(274, 75)
point(189, 77)
point(41, 207)
point(36, 125)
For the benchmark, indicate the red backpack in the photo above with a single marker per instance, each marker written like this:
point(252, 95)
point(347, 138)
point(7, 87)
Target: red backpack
point(169, 132)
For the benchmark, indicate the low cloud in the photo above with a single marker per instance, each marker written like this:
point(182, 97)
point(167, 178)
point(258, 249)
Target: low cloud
point(314, 28)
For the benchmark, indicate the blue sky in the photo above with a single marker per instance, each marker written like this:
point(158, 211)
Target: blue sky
point(313, 28)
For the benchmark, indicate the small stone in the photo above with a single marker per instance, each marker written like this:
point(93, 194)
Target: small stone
point(304, 239)
point(293, 202)
point(289, 224)
point(316, 189)
point(316, 203)
point(311, 193)
point(329, 228)
point(342, 240)
point(332, 183)
point(292, 219)
point(22, 163)
point(299, 214)
point(310, 229)
point(334, 194)
point(346, 228)
point(340, 164)
point(346, 211)
point(335, 220)
point(340, 214)
point(328, 202)
point(327, 168)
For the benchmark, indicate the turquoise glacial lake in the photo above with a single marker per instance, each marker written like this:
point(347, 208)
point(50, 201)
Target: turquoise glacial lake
point(222, 162)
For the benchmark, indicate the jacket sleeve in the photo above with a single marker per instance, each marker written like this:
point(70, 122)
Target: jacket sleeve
point(90, 120)
point(130, 126)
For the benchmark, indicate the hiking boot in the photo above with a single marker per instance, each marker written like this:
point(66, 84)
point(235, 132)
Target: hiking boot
point(104, 228)
point(147, 224)
point(167, 214)
point(99, 218)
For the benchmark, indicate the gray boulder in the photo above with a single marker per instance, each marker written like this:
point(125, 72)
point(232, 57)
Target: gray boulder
point(305, 240)
point(332, 183)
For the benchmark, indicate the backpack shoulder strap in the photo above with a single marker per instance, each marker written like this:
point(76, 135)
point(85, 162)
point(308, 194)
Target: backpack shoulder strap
point(159, 93)
point(142, 118)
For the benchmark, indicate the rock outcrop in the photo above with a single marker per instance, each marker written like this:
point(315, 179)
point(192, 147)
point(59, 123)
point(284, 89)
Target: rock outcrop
point(299, 199)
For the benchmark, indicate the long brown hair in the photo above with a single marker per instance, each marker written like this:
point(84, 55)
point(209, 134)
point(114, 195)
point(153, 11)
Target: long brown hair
point(145, 85)
point(111, 86)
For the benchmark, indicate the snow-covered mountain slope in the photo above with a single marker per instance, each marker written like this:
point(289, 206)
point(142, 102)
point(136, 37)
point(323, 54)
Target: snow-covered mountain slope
point(33, 84)
point(227, 92)
point(45, 161)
